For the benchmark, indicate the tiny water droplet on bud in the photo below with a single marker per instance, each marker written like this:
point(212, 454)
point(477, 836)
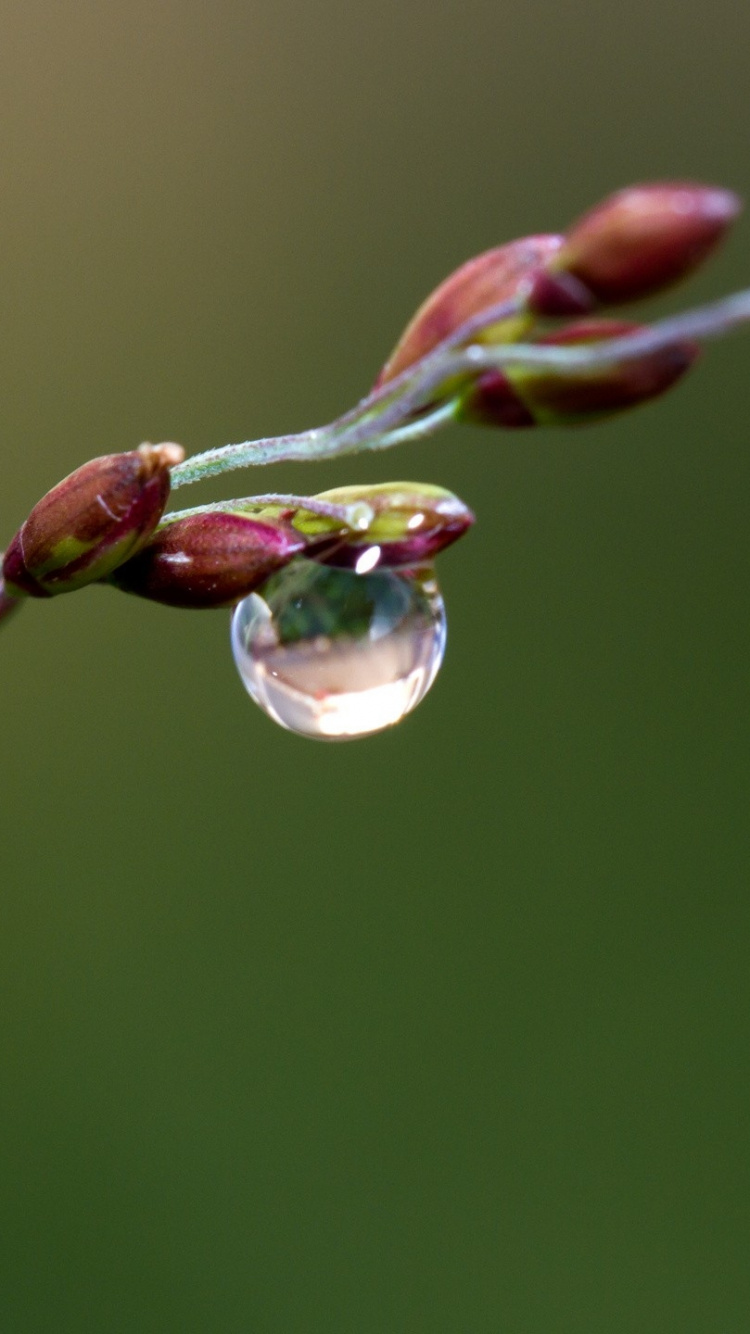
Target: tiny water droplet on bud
point(332, 654)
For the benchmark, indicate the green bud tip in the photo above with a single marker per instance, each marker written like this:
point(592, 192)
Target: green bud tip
point(412, 522)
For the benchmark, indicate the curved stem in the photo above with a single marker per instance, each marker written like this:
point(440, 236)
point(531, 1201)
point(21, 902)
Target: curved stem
point(324, 441)
point(386, 416)
point(271, 449)
point(356, 517)
point(411, 430)
point(711, 321)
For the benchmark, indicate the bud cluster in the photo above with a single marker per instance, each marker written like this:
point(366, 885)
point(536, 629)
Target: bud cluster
point(635, 244)
point(105, 523)
point(214, 558)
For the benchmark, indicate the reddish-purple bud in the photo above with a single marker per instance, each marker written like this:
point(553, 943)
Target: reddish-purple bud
point(214, 558)
point(634, 244)
point(412, 522)
point(90, 522)
point(485, 281)
point(539, 396)
point(209, 560)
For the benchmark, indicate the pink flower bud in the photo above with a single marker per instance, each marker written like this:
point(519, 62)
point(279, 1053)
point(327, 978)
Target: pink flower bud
point(90, 522)
point(485, 281)
point(634, 244)
point(208, 560)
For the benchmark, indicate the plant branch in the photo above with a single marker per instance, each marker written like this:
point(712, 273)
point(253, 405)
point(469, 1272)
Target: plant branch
point(357, 517)
point(385, 417)
point(324, 441)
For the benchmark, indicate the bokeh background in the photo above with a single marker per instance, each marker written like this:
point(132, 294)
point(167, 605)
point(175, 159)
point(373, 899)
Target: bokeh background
point(447, 1030)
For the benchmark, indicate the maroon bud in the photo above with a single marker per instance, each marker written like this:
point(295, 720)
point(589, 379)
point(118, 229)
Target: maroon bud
point(634, 244)
point(90, 522)
point(208, 560)
point(493, 400)
point(412, 522)
point(559, 294)
point(485, 281)
point(540, 396)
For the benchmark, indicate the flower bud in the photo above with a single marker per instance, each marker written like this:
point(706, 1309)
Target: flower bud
point(485, 281)
point(412, 522)
point(214, 558)
point(209, 559)
point(90, 522)
point(540, 396)
point(634, 244)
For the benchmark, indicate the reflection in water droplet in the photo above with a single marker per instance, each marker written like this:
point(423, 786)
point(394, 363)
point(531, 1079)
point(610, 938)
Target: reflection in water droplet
point(333, 654)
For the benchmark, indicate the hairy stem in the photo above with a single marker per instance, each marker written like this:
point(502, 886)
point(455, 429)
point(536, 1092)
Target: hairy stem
point(326, 441)
point(356, 517)
point(386, 416)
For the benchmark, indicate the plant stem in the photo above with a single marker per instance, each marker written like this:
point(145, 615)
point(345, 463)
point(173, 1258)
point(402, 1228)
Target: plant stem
point(326, 441)
point(387, 416)
point(356, 517)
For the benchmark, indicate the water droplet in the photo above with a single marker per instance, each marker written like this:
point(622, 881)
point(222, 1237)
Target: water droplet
point(333, 654)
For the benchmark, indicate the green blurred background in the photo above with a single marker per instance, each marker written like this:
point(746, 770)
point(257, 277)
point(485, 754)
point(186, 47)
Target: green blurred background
point(447, 1030)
